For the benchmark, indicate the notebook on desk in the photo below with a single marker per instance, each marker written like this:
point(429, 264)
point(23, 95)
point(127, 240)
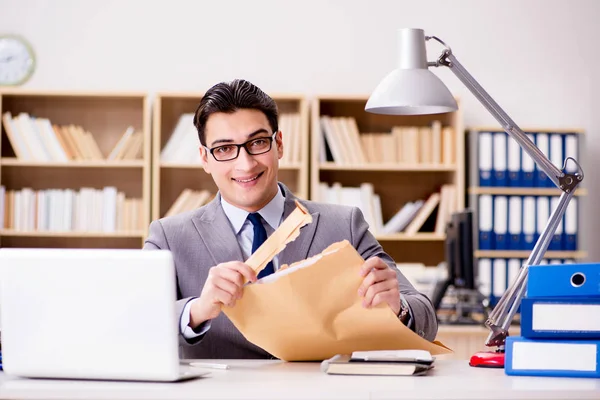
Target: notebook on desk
point(380, 362)
point(90, 314)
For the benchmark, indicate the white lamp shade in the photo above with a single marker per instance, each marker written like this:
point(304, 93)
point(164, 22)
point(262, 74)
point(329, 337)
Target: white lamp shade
point(411, 89)
point(411, 92)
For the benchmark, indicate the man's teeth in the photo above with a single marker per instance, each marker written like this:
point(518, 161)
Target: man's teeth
point(247, 180)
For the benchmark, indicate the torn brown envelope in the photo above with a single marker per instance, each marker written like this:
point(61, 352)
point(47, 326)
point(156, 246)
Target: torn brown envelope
point(287, 232)
point(314, 312)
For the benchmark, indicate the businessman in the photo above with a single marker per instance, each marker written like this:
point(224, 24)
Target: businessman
point(240, 146)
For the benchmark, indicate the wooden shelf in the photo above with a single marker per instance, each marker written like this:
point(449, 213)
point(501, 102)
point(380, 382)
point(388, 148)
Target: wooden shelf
point(330, 166)
point(580, 131)
point(199, 166)
point(522, 191)
point(14, 162)
point(180, 165)
point(579, 254)
point(419, 237)
point(106, 116)
point(79, 94)
point(69, 234)
point(397, 180)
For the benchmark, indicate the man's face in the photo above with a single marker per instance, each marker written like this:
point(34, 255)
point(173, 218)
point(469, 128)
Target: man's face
point(249, 181)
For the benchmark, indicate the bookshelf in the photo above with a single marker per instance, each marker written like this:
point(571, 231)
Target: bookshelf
point(72, 177)
point(512, 201)
point(172, 173)
point(409, 176)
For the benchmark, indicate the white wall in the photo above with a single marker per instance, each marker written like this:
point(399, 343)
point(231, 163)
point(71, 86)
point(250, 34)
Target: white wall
point(537, 58)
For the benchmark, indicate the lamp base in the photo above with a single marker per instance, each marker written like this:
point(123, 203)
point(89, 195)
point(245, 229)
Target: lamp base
point(488, 359)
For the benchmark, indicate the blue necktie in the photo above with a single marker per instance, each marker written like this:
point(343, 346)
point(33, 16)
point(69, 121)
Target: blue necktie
point(260, 235)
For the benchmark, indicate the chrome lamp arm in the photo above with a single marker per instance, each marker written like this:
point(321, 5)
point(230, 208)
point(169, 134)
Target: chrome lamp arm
point(501, 316)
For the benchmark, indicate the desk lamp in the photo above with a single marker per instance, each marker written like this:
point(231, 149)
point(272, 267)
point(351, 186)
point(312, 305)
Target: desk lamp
point(412, 89)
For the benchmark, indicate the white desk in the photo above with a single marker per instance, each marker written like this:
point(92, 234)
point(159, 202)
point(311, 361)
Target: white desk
point(450, 379)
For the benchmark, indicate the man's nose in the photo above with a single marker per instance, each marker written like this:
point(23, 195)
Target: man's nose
point(245, 160)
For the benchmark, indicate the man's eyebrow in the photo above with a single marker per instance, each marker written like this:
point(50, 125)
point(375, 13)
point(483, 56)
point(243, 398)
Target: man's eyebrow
point(256, 132)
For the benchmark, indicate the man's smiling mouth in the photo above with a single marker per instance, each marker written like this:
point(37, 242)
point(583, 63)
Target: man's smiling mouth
point(248, 179)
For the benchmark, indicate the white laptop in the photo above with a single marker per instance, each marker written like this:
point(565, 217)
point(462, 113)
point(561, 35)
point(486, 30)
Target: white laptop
point(90, 314)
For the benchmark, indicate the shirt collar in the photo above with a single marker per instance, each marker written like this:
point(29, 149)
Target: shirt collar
point(271, 213)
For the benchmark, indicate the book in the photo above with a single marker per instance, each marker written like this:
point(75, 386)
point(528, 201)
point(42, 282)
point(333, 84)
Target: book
point(423, 214)
point(397, 356)
point(345, 364)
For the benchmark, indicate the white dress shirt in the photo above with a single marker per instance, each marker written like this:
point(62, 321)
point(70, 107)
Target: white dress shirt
point(272, 214)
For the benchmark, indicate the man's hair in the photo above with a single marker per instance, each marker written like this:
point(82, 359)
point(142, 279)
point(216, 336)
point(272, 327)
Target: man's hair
point(228, 97)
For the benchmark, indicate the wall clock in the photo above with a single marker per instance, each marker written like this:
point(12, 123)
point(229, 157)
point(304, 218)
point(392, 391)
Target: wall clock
point(17, 60)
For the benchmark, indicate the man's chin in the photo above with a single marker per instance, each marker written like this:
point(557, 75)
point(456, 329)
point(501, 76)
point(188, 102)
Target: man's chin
point(247, 197)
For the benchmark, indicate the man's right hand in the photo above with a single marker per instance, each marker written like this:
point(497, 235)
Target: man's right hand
point(224, 286)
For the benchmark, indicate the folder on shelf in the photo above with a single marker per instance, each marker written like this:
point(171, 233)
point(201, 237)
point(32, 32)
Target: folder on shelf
point(514, 163)
point(527, 167)
point(571, 149)
point(484, 276)
point(561, 317)
point(486, 222)
point(515, 222)
point(499, 278)
point(556, 155)
point(499, 160)
point(513, 266)
point(500, 222)
point(542, 141)
point(485, 153)
point(529, 223)
point(571, 218)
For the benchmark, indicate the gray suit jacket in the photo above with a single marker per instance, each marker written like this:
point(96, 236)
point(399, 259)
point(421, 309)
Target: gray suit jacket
point(203, 238)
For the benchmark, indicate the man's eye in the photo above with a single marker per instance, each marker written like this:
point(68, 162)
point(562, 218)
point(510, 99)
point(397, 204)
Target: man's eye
point(259, 142)
point(225, 149)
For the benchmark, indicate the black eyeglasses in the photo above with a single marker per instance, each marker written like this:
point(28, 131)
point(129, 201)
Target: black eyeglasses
point(254, 147)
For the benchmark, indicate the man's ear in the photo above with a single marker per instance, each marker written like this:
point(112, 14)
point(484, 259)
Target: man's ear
point(204, 158)
point(279, 143)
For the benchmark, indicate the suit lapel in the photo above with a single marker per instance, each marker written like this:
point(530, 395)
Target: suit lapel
point(297, 250)
point(215, 230)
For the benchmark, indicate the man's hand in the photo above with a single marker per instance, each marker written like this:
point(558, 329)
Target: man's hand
point(380, 285)
point(224, 286)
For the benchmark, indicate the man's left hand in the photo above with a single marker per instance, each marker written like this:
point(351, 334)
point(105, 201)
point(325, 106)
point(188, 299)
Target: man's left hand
point(380, 285)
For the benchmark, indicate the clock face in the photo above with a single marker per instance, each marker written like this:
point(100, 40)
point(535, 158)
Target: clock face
point(16, 61)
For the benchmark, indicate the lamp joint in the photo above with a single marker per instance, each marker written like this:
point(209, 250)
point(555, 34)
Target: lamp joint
point(568, 182)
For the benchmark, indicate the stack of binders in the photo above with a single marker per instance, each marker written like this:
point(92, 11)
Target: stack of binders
point(560, 323)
